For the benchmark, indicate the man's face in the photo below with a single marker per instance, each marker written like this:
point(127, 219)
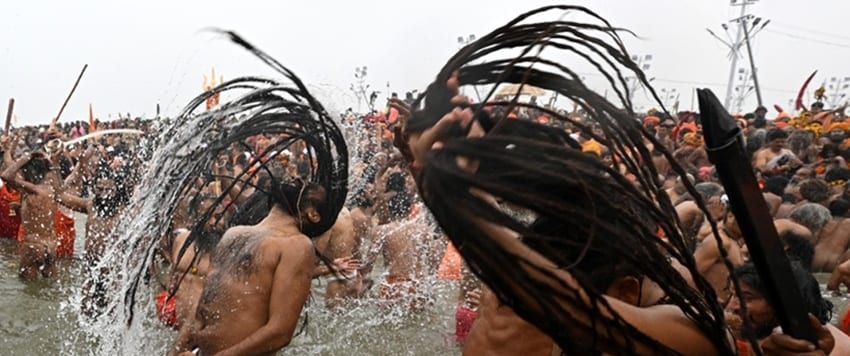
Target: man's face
point(105, 188)
point(761, 113)
point(837, 135)
point(761, 314)
point(716, 207)
point(777, 144)
point(215, 220)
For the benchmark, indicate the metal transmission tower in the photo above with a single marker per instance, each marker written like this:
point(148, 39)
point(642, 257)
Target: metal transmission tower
point(748, 27)
point(644, 62)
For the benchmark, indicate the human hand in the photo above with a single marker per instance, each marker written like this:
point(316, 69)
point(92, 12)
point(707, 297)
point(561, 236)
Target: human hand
point(346, 264)
point(840, 275)
point(784, 344)
point(433, 137)
point(473, 298)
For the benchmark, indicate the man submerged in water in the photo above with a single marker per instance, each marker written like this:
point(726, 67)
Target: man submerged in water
point(259, 280)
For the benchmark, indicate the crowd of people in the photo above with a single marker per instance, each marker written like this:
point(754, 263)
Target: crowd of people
point(560, 226)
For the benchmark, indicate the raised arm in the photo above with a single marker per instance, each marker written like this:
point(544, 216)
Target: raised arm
point(73, 183)
point(10, 174)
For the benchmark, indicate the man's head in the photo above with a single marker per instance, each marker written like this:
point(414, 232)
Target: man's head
point(712, 196)
point(776, 139)
point(815, 190)
point(761, 314)
point(798, 248)
point(400, 203)
point(595, 262)
point(760, 112)
point(776, 185)
point(813, 216)
point(111, 190)
point(307, 202)
point(36, 169)
point(839, 207)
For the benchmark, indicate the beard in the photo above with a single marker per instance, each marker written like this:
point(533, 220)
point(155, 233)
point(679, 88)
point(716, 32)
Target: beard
point(105, 206)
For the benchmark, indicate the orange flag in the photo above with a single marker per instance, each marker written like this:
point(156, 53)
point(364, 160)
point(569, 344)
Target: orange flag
point(92, 128)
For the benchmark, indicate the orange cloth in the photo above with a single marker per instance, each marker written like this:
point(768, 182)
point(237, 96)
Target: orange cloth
point(651, 120)
point(166, 309)
point(66, 234)
point(450, 264)
point(844, 323)
point(839, 125)
point(743, 347)
point(10, 222)
point(592, 146)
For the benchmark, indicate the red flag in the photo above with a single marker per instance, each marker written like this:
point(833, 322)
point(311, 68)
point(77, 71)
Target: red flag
point(92, 128)
point(798, 104)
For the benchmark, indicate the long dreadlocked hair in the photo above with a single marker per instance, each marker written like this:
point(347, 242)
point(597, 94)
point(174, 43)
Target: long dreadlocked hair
point(265, 106)
point(583, 207)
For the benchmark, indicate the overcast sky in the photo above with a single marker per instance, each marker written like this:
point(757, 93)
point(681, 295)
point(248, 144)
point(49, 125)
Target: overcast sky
point(148, 52)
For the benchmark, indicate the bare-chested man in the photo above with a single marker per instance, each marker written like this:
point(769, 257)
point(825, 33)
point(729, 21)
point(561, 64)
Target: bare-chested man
point(38, 181)
point(678, 189)
point(831, 244)
point(815, 218)
point(709, 260)
point(341, 241)
point(259, 279)
point(400, 244)
point(774, 158)
point(111, 193)
point(694, 221)
point(188, 272)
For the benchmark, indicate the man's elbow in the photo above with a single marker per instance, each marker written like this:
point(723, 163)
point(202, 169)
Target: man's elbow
point(281, 338)
point(7, 176)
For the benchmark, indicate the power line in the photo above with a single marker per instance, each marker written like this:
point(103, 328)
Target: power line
point(830, 34)
point(695, 83)
point(814, 40)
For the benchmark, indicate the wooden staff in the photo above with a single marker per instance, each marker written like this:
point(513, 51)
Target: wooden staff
point(725, 146)
point(9, 114)
point(56, 119)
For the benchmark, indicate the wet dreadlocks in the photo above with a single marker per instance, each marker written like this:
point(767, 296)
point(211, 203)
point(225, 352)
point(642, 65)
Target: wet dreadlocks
point(541, 169)
point(263, 107)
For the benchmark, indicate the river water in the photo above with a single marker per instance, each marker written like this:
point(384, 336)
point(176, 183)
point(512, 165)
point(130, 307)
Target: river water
point(42, 318)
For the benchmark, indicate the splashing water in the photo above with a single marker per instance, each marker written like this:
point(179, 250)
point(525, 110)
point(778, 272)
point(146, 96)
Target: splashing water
point(185, 149)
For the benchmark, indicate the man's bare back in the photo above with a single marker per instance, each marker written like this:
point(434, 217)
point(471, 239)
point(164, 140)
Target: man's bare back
point(38, 208)
point(831, 244)
point(259, 280)
point(499, 331)
point(341, 241)
point(711, 265)
point(191, 277)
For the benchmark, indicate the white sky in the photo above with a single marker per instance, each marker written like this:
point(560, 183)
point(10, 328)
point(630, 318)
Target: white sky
point(147, 52)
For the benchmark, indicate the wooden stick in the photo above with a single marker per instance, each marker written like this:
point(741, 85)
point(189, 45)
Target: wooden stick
point(56, 119)
point(9, 114)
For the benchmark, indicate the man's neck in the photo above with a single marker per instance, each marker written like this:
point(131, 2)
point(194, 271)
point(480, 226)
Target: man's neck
point(281, 220)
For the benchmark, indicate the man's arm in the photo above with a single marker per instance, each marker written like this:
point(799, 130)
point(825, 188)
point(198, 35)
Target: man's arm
point(707, 254)
point(289, 292)
point(10, 175)
point(376, 244)
point(666, 324)
point(73, 183)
